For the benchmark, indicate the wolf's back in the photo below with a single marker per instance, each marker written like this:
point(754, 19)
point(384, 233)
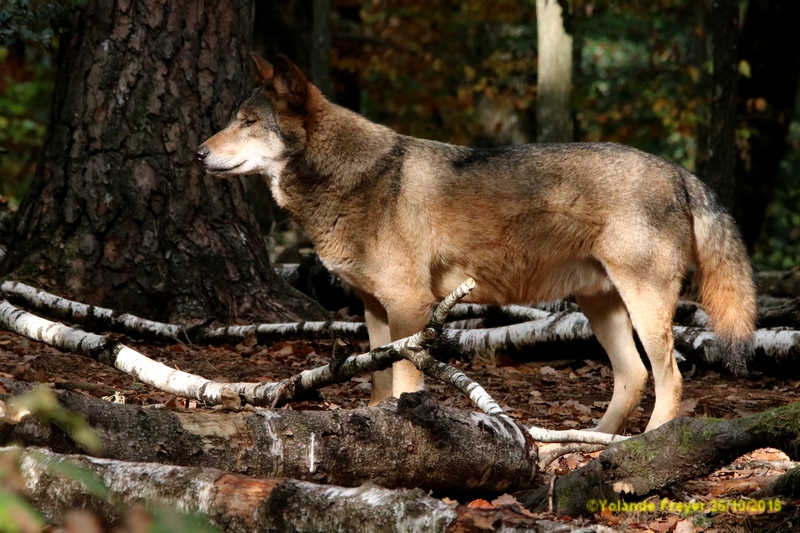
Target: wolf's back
point(725, 276)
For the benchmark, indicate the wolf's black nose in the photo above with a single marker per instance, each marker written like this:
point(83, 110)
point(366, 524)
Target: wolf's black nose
point(202, 153)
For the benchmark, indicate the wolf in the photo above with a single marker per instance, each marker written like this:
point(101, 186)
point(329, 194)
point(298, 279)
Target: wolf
point(406, 220)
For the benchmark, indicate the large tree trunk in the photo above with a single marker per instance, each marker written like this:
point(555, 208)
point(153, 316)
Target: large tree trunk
point(554, 83)
point(120, 214)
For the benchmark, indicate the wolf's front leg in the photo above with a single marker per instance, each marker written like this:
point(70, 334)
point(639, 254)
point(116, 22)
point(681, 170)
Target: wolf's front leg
point(379, 335)
point(407, 318)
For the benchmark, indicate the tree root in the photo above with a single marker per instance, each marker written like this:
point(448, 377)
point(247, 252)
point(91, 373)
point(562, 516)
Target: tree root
point(683, 449)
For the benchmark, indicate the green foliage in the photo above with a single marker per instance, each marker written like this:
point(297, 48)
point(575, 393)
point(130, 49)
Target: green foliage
point(26, 92)
point(425, 65)
point(16, 514)
point(642, 77)
point(28, 35)
point(33, 20)
point(169, 520)
point(779, 245)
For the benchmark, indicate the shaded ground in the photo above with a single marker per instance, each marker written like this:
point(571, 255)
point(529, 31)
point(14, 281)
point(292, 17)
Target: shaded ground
point(556, 394)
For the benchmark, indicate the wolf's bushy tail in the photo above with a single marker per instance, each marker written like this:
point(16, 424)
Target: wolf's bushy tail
point(725, 277)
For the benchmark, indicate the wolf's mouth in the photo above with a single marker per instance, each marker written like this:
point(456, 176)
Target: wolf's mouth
point(218, 170)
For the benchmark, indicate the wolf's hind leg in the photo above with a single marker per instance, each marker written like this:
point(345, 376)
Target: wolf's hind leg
point(651, 306)
point(611, 324)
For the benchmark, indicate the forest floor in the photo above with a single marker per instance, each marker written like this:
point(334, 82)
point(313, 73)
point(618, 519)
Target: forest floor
point(561, 394)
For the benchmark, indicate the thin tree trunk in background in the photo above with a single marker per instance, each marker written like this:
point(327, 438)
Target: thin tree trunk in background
point(120, 214)
point(553, 116)
point(702, 10)
point(722, 130)
point(347, 82)
point(321, 47)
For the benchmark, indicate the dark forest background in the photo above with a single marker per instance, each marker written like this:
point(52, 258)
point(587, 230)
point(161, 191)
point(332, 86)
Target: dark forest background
point(466, 72)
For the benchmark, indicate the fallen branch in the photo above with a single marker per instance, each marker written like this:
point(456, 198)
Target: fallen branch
point(305, 385)
point(110, 352)
point(573, 435)
point(774, 347)
point(496, 315)
point(546, 458)
point(685, 448)
point(786, 315)
point(781, 283)
point(452, 449)
point(102, 319)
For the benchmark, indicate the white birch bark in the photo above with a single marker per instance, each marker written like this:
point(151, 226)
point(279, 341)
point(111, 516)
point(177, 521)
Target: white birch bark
point(239, 504)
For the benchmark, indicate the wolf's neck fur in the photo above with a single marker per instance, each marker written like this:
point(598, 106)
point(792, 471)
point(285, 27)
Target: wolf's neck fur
point(344, 145)
point(344, 160)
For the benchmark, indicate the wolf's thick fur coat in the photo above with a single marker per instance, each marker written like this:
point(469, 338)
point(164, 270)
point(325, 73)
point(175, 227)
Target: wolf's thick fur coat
point(406, 220)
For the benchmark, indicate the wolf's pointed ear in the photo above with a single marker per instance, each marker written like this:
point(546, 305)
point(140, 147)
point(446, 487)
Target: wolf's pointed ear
point(289, 82)
point(264, 69)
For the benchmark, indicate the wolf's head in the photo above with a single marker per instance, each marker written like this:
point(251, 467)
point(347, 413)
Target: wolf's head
point(266, 127)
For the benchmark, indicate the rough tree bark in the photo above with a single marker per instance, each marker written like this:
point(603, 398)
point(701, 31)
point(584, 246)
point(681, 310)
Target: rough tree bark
point(119, 213)
point(243, 504)
point(395, 447)
point(554, 77)
point(722, 131)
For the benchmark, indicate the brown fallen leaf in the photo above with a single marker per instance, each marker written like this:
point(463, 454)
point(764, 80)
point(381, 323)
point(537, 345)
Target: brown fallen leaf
point(686, 407)
point(480, 504)
point(664, 524)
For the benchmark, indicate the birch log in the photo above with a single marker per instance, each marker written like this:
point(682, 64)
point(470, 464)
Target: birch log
point(301, 386)
point(112, 353)
point(775, 350)
point(108, 351)
point(451, 449)
point(240, 504)
point(102, 319)
point(774, 347)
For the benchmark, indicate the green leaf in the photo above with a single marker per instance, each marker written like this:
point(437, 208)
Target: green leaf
point(18, 515)
point(744, 68)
